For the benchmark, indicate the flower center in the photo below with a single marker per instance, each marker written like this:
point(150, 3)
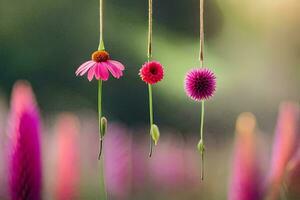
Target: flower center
point(100, 56)
point(153, 70)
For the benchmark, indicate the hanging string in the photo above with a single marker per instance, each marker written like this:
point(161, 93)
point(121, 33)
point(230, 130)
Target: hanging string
point(201, 53)
point(201, 58)
point(150, 17)
point(101, 42)
point(149, 55)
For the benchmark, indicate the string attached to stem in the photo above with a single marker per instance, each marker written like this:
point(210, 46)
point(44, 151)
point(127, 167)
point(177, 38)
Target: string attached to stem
point(201, 58)
point(102, 122)
point(149, 55)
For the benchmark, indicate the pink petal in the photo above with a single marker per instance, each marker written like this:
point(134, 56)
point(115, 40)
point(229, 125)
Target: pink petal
point(87, 68)
point(91, 73)
point(115, 71)
point(117, 64)
point(83, 66)
point(101, 72)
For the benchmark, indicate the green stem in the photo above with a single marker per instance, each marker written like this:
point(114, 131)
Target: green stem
point(102, 178)
point(151, 116)
point(202, 149)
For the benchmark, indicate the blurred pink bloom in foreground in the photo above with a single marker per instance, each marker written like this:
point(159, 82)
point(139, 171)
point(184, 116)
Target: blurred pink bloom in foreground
point(293, 177)
point(67, 166)
point(25, 164)
point(173, 166)
point(246, 178)
point(285, 144)
point(117, 162)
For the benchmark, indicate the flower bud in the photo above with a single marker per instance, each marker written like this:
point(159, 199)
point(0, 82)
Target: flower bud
point(201, 146)
point(155, 133)
point(103, 126)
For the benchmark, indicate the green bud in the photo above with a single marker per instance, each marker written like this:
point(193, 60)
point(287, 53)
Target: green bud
point(201, 146)
point(103, 126)
point(155, 133)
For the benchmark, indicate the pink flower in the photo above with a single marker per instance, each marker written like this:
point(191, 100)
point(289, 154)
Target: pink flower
point(245, 183)
point(285, 145)
point(99, 67)
point(25, 156)
point(200, 84)
point(152, 72)
point(67, 145)
point(117, 162)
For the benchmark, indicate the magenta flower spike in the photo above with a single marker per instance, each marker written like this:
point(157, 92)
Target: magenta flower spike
point(68, 163)
point(286, 142)
point(200, 85)
point(246, 180)
point(25, 158)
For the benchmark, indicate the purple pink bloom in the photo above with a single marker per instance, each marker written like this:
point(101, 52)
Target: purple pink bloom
point(99, 67)
point(200, 84)
point(67, 174)
point(285, 145)
point(25, 158)
point(246, 179)
point(152, 72)
point(117, 162)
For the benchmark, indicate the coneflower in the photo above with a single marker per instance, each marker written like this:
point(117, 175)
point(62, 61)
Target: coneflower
point(67, 165)
point(245, 183)
point(284, 147)
point(25, 158)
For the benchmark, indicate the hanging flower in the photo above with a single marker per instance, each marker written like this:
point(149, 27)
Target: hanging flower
point(99, 67)
point(152, 72)
point(200, 84)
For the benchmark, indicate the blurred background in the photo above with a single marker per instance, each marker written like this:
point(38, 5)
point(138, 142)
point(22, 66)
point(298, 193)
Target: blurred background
point(252, 46)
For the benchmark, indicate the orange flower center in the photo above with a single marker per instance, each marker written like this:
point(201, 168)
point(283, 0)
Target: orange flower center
point(100, 56)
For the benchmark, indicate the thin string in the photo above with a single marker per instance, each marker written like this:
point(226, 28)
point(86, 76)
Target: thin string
point(149, 55)
point(201, 58)
point(150, 27)
point(201, 53)
point(101, 42)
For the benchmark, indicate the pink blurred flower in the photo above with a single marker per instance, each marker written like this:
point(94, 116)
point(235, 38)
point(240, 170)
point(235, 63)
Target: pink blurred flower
point(245, 183)
point(25, 162)
point(117, 162)
point(99, 67)
point(67, 144)
point(293, 176)
point(173, 166)
point(285, 143)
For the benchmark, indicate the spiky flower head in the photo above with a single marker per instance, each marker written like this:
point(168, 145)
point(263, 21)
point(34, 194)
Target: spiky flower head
point(200, 84)
point(152, 72)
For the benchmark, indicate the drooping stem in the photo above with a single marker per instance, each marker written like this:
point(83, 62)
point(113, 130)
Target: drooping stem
point(150, 25)
point(202, 149)
point(151, 117)
point(100, 115)
point(101, 41)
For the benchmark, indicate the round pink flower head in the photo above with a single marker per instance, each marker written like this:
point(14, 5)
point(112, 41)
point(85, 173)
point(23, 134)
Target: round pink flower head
point(100, 66)
point(200, 84)
point(152, 72)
